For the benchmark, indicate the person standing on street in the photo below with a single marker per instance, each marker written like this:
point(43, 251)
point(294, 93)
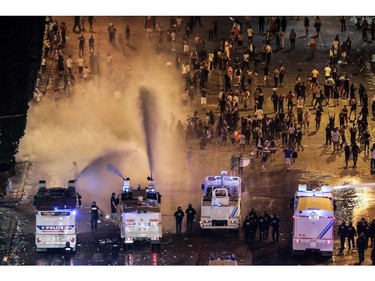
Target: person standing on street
point(190, 215)
point(275, 224)
point(179, 216)
point(288, 157)
point(361, 246)
point(111, 33)
point(91, 20)
point(347, 151)
point(351, 232)
point(342, 235)
point(306, 24)
point(246, 228)
point(373, 255)
point(68, 253)
point(115, 250)
point(81, 45)
point(292, 38)
point(94, 215)
point(127, 35)
point(91, 44)
point(355, 152)
point(77, 23)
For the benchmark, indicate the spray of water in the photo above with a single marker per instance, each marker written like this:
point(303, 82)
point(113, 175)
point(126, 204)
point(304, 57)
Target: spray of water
point(149, 111)
point(110, 137)
point(114, 170)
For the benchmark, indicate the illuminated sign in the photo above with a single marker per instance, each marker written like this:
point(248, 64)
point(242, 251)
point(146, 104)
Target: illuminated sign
point(55, 214)
point(55, 227)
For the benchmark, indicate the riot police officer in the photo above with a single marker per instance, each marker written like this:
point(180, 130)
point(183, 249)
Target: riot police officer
point(190, 215)
point(350, 233)
point(94, 215)
point(275, 224)
point(361, 246)
point(342, 234)
point(246, 227)
point(179, 215)
point(115, 249)
point(68, 253)
point(262, 227)
point(268, 218)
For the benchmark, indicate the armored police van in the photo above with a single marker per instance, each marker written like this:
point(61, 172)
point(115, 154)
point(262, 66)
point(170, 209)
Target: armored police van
point(56, 216)
point(313, 220)
point(221, 202)
point(140, 213)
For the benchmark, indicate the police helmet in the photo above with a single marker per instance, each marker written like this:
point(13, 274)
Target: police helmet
point(190, 205)
point(179, 208)
point(94, 203)
point(67, 244)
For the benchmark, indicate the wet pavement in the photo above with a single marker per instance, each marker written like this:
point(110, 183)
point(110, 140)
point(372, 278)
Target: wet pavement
point(315, 166)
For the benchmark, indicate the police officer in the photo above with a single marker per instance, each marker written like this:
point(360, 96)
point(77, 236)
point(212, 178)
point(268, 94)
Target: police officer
point(275, 224)
point(262, 227)
point(373, 255)
point(179, 215)
point(372, 232)
point(361, 246)
point(350, 233)
point(342, 234)
point(115, 249)
point(268, 218)
point(246, 228)
point(94, 215)
point(190, 214)
point(68, 253)
point(367, 233)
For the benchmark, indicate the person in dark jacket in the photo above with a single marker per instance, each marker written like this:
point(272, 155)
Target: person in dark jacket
point(355, 152)
point(190, 215)
point(68, 253)
point(342, 234)
point(246, 228)
point(351, 232)
point(373, 255)
point(361, 246)
point(179, 216)
point(275, 224)
point(114, 203)
point(94, 215)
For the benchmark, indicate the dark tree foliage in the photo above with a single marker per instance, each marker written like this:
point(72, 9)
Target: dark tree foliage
point(20, 57)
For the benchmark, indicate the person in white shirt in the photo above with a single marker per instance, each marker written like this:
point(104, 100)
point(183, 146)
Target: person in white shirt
point(69, 64)
point(335, 135)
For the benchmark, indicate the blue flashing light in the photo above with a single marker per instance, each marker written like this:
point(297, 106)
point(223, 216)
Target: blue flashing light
point(74, 212)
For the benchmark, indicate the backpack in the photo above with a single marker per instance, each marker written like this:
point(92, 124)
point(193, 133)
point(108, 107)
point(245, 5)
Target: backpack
point(295, 154)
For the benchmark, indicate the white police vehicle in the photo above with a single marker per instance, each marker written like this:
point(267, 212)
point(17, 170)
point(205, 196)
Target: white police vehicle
point(221, 202)
point(313, 220)
point(56, 216)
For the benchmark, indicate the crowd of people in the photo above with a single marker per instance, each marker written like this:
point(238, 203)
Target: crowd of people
point(242, 107)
